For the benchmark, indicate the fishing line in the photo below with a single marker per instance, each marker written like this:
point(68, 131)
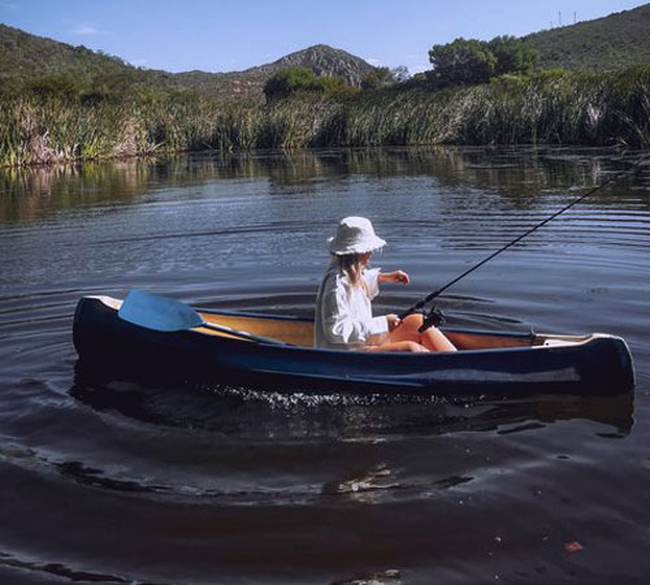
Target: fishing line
point(434, 316)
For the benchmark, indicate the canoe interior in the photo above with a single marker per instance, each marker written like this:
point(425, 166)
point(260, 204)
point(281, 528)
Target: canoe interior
point(300, 332)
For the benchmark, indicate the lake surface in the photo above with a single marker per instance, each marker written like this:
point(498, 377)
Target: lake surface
point(118, 482)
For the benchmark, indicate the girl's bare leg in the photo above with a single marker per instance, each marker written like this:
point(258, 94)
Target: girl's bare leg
point(432, 339)
point(388, 345)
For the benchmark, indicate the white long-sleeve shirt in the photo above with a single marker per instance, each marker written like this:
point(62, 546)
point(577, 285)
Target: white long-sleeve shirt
point(343, 312)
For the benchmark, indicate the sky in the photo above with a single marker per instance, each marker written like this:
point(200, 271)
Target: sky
point(232, 35)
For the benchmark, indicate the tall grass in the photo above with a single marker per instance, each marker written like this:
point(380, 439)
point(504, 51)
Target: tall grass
point(553, 107)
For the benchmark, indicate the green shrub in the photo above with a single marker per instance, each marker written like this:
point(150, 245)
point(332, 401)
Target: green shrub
point(287, 82)
point(378, 77)
point(471, 62)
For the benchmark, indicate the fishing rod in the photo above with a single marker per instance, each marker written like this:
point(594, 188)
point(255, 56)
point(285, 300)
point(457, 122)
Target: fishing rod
point(434, 316)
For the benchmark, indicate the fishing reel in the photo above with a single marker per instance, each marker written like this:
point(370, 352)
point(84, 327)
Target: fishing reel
point(432, 317)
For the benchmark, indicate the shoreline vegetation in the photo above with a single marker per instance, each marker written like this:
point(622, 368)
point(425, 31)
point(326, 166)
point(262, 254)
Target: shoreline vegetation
point(547, 107)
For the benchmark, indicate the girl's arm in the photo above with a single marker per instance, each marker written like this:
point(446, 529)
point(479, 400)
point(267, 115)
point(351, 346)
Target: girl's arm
point(395, 277)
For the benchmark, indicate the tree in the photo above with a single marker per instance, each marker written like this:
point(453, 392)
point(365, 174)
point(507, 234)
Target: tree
point(463, 62)
point(513, 55)
point(287, 81)
point(466, 62)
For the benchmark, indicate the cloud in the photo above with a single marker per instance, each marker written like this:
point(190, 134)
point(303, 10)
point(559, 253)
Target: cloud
point(374, 62)
point(137, 62)
point(84, 29)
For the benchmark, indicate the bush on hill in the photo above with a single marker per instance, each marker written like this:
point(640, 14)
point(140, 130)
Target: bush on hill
point(470, 61)
point(289, 81)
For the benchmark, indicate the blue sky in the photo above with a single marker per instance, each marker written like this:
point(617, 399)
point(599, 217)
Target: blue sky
point(219, 35)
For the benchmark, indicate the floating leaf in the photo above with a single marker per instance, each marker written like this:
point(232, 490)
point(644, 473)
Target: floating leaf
point(572, 547)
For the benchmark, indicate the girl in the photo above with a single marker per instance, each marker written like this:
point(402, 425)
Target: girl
point(343, 312)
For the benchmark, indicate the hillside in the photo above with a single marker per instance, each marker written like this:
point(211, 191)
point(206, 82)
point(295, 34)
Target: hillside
point(27, 56)
point(613, 42)
point(320, 59)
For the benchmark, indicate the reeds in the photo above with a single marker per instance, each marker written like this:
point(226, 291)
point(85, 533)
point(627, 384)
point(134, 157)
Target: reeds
point(553, 107)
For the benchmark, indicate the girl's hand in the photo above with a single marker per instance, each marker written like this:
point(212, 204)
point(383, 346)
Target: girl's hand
point(393, 321)
point(399, 276)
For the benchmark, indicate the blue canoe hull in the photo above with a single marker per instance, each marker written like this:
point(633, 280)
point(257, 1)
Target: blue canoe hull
point(599, 365)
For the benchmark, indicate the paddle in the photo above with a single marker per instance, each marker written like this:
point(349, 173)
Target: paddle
point(164, 314)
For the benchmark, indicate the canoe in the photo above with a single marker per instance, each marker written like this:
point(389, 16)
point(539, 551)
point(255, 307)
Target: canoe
point(487, 363)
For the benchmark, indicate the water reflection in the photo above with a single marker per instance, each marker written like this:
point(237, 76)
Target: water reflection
point(307, 416)
point(34, 192)
point(520, 175)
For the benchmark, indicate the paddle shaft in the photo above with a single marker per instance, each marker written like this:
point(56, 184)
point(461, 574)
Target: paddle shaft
point(420, 304)
point(242, 334)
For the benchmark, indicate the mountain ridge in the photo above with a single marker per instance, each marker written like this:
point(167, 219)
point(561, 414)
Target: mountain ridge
point(26, 55)
point(618, 40)
point(615, 41)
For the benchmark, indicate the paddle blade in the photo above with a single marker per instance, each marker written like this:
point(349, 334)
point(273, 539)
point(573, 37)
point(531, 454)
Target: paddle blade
point(158, 313)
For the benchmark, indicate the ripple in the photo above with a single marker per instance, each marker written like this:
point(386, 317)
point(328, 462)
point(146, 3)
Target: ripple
point(63, 571)
point(245, 479)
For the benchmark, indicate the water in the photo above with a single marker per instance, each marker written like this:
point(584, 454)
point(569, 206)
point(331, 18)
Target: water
point(112, 481)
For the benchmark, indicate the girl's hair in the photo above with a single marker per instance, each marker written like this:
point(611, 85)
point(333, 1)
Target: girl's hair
point(351, 265)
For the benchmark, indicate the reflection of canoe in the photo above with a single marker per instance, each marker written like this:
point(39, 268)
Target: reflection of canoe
point(502, 363)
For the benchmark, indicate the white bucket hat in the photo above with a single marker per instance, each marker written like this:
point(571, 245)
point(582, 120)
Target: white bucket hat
point(355, 235)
